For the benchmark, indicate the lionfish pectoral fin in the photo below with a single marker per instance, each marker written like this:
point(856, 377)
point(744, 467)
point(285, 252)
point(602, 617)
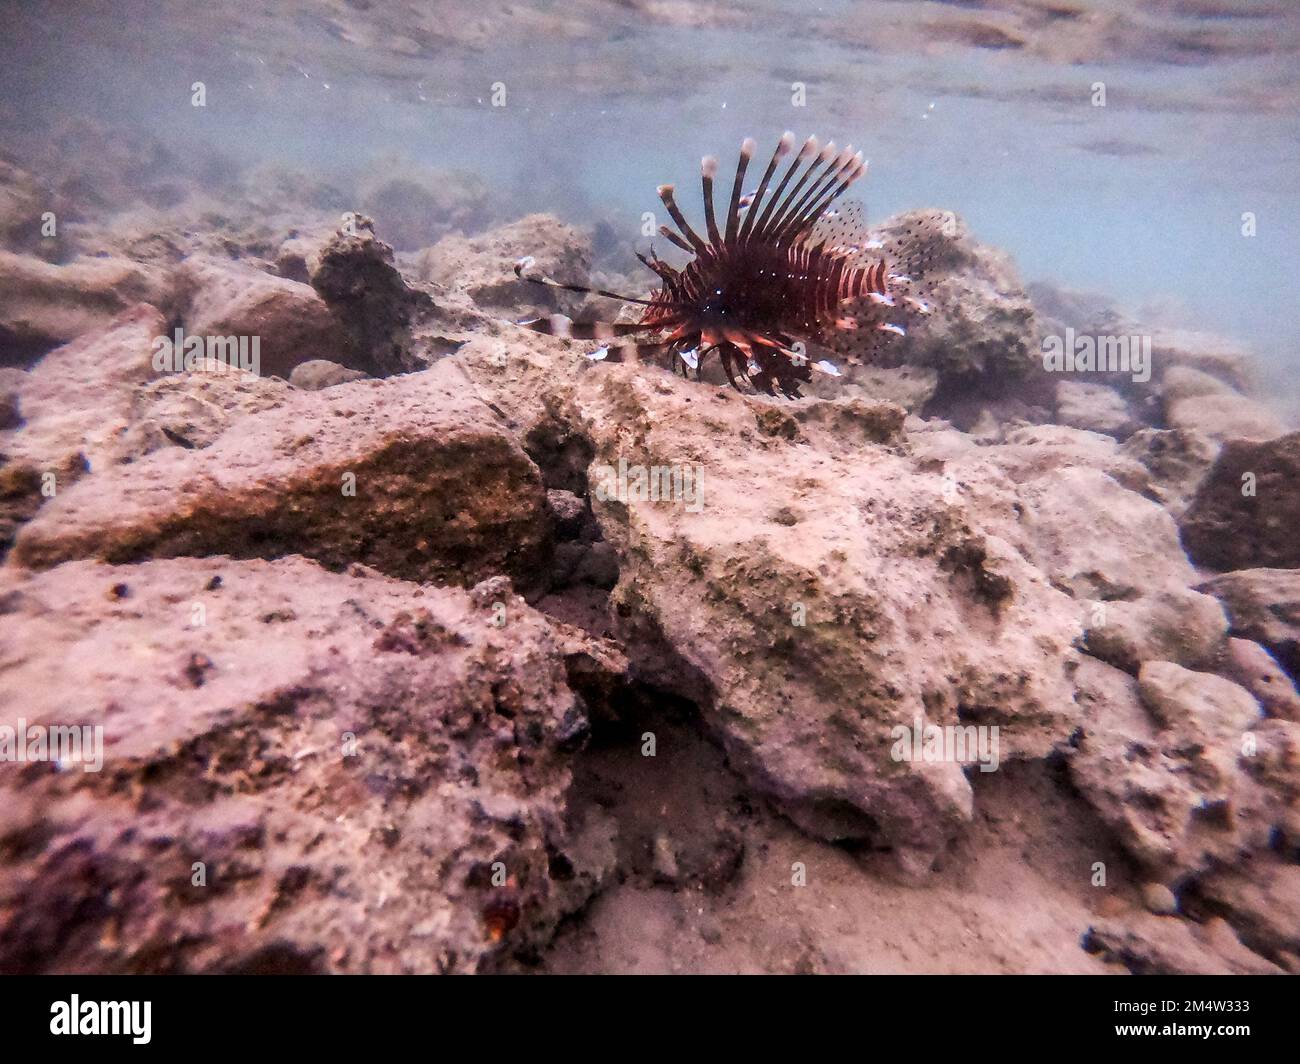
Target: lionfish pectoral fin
point(567, 329)
point(527, 263)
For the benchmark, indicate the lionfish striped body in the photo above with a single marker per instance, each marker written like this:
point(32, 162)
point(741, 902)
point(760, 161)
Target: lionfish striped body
point(772, 279)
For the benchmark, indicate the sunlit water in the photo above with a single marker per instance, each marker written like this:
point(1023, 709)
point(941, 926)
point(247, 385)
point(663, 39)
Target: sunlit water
point(987, 107)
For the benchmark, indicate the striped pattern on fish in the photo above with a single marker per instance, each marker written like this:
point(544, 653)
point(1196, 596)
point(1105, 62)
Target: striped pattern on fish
point(779, 273)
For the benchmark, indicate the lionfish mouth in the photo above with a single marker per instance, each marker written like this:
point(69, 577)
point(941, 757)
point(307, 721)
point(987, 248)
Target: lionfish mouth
point(788, 271)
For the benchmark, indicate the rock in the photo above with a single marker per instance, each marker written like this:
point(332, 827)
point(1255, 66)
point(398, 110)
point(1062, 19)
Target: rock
point(1177, 461)
point(98, 402)
point(319, 776)
point(1196, 703)
point(1161, 945)
point(982, 332)
point(298, 256)
point(1245, 513)
point(43, 305)
point(1030, 452)
point(23, 202)
point(1261, 900)
point(1253, 667)
point(1087, 313)
point(1095, 407)
point(598, 567)
point(845, 423)
point(664, 859)
point(417, 206)
point(1159, 899)
point(292, 323)
point(1264, 605)
point(1184, 382)
point(320, 373)
point(914, 605)
point(192, 409)
point(415, 479)
point(1136, 602)
point(12, 381)
point(482, 267)
point(1181, 785)
point(1224, 416)
point(1171, 624)
point(568, 511)
point(1215, 355)
point(356, 277)
point(911, 387)
point(77, 402)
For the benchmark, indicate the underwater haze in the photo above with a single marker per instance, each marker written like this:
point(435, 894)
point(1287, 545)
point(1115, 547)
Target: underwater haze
point(1115, 146)
point(399, 577)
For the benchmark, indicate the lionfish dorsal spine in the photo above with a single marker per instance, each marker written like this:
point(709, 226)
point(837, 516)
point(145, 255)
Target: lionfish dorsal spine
point(747, 149)
point(783, 148)
point(809, 149)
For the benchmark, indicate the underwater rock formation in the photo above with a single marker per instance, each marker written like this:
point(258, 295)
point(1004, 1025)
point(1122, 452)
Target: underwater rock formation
point(304, 772)
point(818, 582)
point(1247, 508)
point(412, 477)
point(290, 321)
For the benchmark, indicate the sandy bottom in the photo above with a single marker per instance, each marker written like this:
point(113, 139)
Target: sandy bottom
point(1014, 895)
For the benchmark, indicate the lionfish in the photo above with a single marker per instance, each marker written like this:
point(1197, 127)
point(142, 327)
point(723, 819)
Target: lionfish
point(783, 271)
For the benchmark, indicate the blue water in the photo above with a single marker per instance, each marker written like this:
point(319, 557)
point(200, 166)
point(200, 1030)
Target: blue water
point(981, 106)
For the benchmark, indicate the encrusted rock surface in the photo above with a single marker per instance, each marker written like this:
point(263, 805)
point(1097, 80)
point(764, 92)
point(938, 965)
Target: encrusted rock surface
point(236, 572)
point(1246, 511)
point(415, 478)
point(303, 772)
point(290, 320)
point(1264, 605)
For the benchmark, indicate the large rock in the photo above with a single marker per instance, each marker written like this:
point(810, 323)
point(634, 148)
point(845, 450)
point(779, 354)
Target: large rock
point(826, 591)
point(1247, 509)
point(23, 202)
point(1184, 382)
point(291, 322)
point(1162, 945)
point(77, 403)
point(1218, 356)
point(1117, 553)
point(1264, 605)
point(1261, 900)
point(982, 333)
point(1249, 664)
point(1182, 768)
point(355, 275)
point(1196, 704)
point(1095, 407)
point(415, 478)
point(1224, 416)
point(43, 305)
point(482, 266)
point(301, 772)
point(193, 409)
point(1177, 462)
point(321, 373)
